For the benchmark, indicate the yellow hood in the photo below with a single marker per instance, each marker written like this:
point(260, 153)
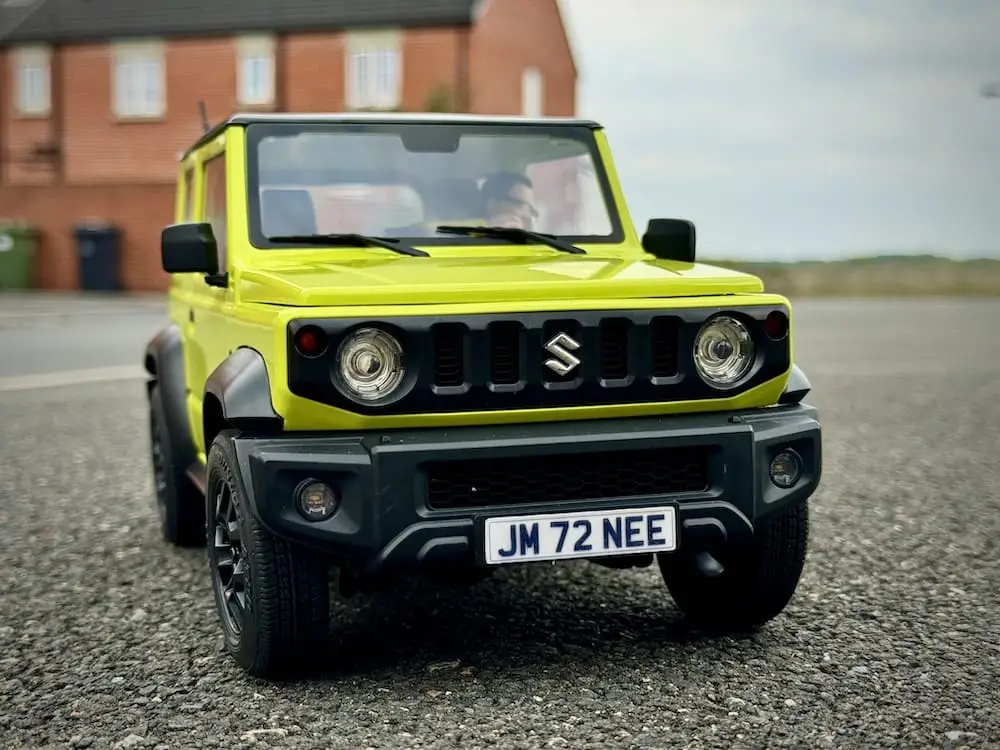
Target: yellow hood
point(444, 280)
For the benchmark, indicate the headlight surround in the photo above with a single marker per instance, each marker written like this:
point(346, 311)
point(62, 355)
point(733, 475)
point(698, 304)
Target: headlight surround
point(369, 365)
point(724, 352)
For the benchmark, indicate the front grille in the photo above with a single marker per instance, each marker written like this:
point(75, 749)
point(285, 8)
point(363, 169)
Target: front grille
point(566, 478)
point(537, 360)
point(624, 348)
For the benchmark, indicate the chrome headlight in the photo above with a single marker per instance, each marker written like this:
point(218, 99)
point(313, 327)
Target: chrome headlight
point(723, 351)
point(369, 365)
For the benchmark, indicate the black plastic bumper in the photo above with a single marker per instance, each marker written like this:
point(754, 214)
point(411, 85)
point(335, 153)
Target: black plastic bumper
point(385, 520)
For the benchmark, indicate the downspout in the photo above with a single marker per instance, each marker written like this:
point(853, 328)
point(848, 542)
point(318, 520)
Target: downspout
point(6, 74)
point(58, 114)
point(279, 71)
point(463, 88)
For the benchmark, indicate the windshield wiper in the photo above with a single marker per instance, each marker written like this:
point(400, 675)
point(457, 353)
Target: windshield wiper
point(348, 239)
point(521, 236)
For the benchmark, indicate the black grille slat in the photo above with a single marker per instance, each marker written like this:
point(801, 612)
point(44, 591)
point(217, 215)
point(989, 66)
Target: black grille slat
point(449, 355)
point(566, 478)
point(505, 353)
point(663, 337)
point(615, 348)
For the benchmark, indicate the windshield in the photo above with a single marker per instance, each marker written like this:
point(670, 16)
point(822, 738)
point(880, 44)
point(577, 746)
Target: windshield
point(402, 180)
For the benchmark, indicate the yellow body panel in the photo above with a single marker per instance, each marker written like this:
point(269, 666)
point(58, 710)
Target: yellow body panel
point(267, 289)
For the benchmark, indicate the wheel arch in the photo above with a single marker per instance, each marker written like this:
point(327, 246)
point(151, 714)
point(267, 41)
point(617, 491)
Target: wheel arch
point(163, 361)
point(797, 387)
point(238, 394)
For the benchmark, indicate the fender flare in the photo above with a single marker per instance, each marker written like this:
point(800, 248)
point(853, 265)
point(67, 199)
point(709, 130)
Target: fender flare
point(796, 388)
point(164, 362)
point(238, 394)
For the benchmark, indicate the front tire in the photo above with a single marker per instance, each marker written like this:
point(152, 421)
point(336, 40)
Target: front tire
point(755, 584)
point(179, 503)
point(272, 597)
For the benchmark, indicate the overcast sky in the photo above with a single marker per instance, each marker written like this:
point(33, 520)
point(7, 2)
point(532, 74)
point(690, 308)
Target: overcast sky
point(787, 129)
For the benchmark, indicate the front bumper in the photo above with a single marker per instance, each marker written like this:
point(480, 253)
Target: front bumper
point(396, 512)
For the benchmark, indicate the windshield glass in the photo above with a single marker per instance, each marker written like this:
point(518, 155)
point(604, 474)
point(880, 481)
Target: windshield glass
point(401, 180)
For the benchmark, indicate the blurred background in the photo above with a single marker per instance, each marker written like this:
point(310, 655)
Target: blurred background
point(842, 149)
point(839, 148)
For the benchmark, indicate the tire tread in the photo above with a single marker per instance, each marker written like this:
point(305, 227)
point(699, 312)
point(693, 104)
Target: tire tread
point(757, 584)
point(289, 589)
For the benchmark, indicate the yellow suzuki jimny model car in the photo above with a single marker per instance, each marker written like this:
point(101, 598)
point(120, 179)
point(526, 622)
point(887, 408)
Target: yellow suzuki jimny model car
point(436, 343)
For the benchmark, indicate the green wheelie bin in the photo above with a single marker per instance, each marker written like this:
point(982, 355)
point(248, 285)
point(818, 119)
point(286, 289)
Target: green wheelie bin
point(17, 255)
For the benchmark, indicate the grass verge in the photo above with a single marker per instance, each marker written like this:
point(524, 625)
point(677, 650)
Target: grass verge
point(886, 276)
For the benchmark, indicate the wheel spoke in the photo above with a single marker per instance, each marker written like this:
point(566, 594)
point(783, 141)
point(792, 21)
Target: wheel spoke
point(229, 558)
point(223, 505)
point(239, 578)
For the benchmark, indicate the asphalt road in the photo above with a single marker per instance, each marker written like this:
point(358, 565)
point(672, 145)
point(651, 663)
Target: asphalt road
point(108, 637)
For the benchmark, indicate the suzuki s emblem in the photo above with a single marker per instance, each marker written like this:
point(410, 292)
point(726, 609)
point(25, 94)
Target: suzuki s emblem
point(561, 347)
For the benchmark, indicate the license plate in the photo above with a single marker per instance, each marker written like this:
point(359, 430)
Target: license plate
point(562, 536)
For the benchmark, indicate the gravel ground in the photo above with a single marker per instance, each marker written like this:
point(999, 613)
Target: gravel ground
point(108, 637)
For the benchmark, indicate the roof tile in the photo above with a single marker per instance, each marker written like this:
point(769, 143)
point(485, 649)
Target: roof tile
point(80, 20)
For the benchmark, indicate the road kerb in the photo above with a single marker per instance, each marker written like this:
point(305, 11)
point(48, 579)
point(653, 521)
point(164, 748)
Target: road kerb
point(69, 378)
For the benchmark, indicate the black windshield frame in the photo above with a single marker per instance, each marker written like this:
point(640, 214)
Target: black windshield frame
point(256, 132)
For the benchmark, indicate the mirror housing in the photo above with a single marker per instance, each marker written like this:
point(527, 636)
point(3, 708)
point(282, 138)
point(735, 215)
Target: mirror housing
point(189, 248)
point(670, 239)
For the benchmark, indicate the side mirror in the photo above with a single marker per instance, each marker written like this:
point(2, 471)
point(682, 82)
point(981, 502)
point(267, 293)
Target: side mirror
point(670, 239)
point(189, 248)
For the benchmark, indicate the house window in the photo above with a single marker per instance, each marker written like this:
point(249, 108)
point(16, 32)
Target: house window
point(374, 70)
point(32, 72)
point(532, 93)
point(139, 80)
point(255, 70)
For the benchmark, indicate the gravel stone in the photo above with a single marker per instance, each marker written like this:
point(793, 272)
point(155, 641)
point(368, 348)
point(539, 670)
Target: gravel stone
point(108, 637)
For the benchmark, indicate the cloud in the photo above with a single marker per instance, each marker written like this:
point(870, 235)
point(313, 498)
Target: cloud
point(858, 124)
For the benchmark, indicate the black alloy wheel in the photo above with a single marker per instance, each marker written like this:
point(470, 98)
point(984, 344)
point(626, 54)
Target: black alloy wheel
point(230, 562)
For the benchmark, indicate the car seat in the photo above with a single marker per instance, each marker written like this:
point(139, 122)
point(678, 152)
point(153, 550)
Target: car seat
point(287, 212)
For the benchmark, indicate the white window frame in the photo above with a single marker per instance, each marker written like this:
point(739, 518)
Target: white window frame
point(256, 50)
point(374, 69)
point(33, 80)
point(139, 80)
point(532, 93)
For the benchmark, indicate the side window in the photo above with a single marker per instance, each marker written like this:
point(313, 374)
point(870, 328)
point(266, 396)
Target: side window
point(215, 202)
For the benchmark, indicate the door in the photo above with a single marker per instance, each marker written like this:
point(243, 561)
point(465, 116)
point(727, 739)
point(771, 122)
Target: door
point(210, 306)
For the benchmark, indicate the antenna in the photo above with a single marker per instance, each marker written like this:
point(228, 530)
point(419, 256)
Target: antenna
point(204, 115)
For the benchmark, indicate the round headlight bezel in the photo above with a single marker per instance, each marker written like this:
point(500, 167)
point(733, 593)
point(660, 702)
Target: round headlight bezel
point(386, 345)
point(743, 339)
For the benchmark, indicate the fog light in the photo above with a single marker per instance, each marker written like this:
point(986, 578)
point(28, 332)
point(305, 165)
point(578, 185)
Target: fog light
point(786, 468)
point(317, 502)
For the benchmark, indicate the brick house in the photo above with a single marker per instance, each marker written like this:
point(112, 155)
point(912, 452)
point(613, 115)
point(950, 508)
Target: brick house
point(89, 88)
